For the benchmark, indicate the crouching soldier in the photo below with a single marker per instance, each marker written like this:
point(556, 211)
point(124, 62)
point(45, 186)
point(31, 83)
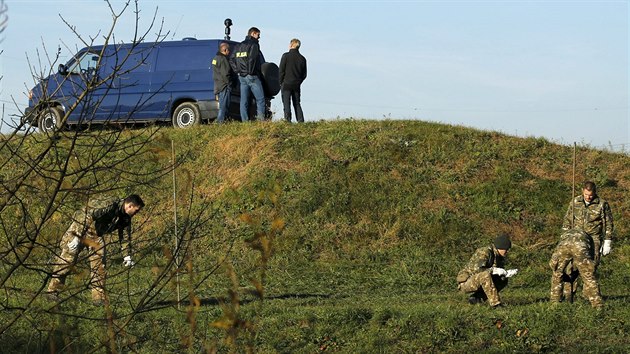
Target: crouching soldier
point(88, 227)
point(484, 275)
point(575, 250)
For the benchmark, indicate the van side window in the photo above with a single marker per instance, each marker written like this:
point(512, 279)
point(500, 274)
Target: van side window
point(184, 58)
point(86, 62)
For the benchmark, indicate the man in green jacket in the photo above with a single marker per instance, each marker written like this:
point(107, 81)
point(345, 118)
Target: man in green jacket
point(88, 227)
point(484, 275)
point(591, 214)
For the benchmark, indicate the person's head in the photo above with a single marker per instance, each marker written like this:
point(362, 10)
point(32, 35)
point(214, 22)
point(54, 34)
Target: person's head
point(589, 191)
point(224, 48)
point(132, 204)
point(254, 33)
point(503, 244)
point(295, 44)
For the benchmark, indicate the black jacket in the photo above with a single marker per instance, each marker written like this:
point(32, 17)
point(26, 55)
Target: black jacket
point(221, 72)
point(247, 58)
point(109, 216)
point(292, 69)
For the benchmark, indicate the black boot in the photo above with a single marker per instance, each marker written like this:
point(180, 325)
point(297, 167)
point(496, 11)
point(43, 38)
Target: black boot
point(473, 300)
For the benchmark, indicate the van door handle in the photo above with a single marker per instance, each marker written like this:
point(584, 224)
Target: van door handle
point(186, 77)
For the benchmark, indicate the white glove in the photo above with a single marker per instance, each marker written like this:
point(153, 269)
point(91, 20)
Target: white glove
point(127, 262)
point(511, 273)
point(606, 248)
point(499, 271)
point(74, 244)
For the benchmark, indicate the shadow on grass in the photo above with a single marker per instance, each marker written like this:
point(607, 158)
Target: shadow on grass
point(616, 297)
point(516, 301)
point(530, 301)
point(215, 301)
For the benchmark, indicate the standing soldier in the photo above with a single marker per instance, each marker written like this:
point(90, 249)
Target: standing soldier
point(484, 275)
point(292, 74)
point(591, 214)
point(222, 75)
point(88, 227)
point(575, 247)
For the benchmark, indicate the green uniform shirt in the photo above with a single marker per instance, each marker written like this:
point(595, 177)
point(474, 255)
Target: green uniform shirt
point(595, 218)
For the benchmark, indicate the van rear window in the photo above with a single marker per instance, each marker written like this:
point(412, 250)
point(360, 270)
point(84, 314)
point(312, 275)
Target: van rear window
point(183, 58)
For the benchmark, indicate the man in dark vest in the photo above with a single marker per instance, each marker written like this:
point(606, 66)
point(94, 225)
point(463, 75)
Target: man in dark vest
point(247, 61)
point(222, 75)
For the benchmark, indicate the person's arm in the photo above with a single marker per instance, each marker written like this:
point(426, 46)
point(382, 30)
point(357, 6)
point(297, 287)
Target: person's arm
point(568, 216)
point(282, 68)
point(261, 57)
point(608, 222)
point(125, 245)
point(608, 230)
point(232, 60)
point(215, 72)
point(253, 59)
point(483, 260)
point(125, 242)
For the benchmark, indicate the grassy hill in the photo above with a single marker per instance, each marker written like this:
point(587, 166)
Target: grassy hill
point(353, 231)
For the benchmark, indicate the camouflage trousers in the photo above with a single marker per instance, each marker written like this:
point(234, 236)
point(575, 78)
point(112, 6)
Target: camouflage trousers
point(83, 228)
point(485, 283)
point(572, 274)
point(568, 261)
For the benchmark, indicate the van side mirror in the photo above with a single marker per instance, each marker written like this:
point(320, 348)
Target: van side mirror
point(62, 69)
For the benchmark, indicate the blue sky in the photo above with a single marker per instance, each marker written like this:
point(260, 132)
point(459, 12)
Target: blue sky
point(553, 69)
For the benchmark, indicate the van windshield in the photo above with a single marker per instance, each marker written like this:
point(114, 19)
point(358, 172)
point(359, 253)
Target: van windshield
point(86, 62)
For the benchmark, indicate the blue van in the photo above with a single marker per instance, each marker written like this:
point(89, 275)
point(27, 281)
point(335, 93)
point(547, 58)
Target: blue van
point(133, 83)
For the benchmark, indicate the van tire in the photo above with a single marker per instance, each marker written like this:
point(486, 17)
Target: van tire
point(186, 115)
point(50, 120)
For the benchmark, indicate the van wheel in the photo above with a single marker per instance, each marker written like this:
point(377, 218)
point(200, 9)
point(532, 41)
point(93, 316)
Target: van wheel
point(186, 115)
point(50, 120)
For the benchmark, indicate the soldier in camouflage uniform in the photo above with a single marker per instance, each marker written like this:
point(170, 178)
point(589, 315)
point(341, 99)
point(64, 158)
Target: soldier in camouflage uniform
point(484, 275)
point(88, 227)
point(574, 249)
point(591, 214)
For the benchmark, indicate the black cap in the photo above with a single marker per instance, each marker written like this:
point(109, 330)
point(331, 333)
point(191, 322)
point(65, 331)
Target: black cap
point(502, 242)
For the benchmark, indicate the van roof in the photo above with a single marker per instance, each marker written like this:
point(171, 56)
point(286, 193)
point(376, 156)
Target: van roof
point(186, 40)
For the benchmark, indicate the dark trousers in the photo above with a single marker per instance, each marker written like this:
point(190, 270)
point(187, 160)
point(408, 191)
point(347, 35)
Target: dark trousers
point(288, 95)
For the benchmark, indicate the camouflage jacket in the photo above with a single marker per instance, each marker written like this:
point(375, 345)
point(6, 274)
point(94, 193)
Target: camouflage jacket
point(595, 218)
point(482, 260)
point(572, 242)
point(108, 215)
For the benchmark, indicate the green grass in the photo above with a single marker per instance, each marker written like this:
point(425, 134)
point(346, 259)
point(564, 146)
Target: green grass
point(378, 218)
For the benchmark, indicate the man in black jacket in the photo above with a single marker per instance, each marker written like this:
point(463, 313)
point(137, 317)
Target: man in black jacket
point(292, 74)
point(247, 62)
point(88, 227)
point(222, 75)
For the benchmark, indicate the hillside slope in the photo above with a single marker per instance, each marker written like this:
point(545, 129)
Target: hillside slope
point(358, 189)
point(377, 217)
